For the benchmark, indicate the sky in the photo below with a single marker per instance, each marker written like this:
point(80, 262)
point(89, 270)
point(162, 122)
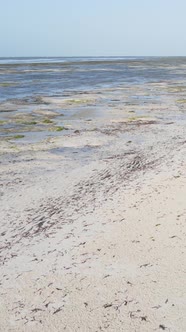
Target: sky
point(92, 27)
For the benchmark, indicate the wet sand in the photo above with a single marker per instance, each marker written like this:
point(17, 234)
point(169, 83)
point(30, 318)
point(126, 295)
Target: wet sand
point(93, 214)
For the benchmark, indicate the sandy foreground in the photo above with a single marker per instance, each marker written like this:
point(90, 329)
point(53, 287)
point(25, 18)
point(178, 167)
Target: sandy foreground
point(93, 226)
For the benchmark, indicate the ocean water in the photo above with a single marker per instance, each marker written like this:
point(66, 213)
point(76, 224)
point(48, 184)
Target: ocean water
point(46, 96)
point(54, 76)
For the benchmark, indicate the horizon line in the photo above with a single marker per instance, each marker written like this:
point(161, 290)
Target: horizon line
point(91, 56)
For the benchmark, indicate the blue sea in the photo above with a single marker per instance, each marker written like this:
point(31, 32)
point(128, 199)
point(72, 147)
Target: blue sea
point(54, 76)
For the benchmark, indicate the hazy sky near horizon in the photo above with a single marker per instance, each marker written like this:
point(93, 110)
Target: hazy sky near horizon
point(98, 27)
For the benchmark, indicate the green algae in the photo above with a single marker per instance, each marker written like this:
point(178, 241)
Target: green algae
point(17, 136)
point(7, 84)
point(29, 123)
point(181, 101)
point(135, 118)
point(9, 138)
point(47, 121)
point(13, 147)
point(59, 128)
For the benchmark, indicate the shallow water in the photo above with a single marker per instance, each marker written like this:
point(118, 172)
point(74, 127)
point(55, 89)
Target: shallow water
point(23, 77)
point(40, 88)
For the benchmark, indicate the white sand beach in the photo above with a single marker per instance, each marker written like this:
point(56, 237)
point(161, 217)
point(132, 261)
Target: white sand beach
point(93, 224)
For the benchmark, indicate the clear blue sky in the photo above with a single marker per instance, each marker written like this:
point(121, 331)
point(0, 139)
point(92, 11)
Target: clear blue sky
point(92, 27)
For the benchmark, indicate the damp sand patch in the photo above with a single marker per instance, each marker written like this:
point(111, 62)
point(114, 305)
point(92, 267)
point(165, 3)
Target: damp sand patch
point(46, 113)
point(69, 149)
point(136, 119)
point(72, 103)
point(80, 155)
